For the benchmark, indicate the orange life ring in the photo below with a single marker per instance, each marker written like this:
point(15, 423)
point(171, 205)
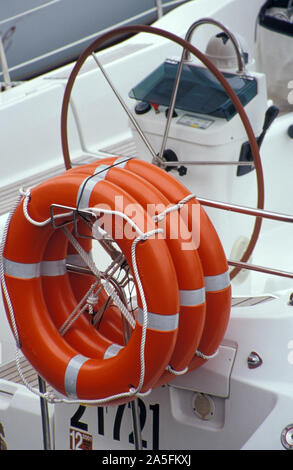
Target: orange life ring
point(186, 261)
point(211, 253)
point(83, 363)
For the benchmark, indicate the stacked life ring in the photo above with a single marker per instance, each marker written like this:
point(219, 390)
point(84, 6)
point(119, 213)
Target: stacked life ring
point(187, 292)
point(186, 262)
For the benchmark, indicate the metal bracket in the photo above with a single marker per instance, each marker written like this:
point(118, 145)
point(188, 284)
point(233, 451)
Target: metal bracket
point(75, 216)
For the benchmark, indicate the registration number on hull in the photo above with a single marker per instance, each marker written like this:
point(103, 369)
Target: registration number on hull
point(108, 427)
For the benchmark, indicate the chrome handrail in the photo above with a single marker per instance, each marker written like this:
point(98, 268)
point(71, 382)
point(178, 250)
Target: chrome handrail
point(159, 7)
point(184, 57)
point(200, 162)
point(4, 66)
point(256, 213)
point(246, 210)
point(234, 40)
point(260, 269)
point(45, 415)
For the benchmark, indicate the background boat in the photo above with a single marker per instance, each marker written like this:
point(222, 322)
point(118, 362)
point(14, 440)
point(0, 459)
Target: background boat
point(39, 35)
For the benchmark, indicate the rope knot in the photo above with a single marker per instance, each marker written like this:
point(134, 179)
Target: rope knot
point(25, 193)
point(92, 299)
point(50, 397)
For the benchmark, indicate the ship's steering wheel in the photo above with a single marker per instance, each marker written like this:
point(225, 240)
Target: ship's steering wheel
point(114, 34)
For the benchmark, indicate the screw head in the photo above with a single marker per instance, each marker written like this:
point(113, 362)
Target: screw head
point(254, 360)
point(287, 437)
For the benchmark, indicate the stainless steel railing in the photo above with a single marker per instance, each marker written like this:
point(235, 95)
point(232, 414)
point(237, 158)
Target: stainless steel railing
point(257, 213)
